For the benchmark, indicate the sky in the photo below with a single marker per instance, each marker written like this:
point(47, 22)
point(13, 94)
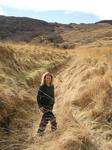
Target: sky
point(61, 11)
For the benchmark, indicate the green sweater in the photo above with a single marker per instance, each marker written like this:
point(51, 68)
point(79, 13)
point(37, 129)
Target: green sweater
point(43, 100)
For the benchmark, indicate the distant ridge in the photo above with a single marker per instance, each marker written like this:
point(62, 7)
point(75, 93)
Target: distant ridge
point(105, 21)
point(23, 28)
point(65, 36)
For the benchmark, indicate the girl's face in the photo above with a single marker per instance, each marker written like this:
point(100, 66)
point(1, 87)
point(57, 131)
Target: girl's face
point(48, 79)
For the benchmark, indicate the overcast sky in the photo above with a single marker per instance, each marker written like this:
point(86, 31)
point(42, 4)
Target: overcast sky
point(64, 11)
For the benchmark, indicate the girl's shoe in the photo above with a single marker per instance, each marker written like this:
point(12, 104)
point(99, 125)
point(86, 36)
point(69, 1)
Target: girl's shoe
point(40, 133)
point(54, 129)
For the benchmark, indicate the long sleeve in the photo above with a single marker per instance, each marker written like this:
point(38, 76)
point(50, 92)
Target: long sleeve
point(53, 101)
point(39, 94)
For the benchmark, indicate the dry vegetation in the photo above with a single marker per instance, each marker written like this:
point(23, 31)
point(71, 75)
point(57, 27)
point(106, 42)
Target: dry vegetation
point(57, 35)
point(83, 87)
point(87, 109)
point(21, 67)
point(83, 97)
point(93, 35)
point(83, 104)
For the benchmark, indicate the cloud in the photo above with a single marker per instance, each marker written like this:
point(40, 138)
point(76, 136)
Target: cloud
point(101, 8)
point(1, 11)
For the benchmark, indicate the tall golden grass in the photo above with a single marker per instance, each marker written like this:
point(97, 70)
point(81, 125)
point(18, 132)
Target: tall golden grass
point(83, 97)
point(84, 102)
point(87, 109)
point(21, 67)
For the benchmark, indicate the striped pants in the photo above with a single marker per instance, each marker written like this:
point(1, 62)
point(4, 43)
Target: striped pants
point(47, 116)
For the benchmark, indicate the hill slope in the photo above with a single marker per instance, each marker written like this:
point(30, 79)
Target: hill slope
point(24, 29)
point(83, 84)
point(83, 105)
point(58, 35)
point(21, 67)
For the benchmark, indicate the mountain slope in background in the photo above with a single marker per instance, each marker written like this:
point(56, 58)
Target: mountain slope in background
point(59, 35)
point(24, 29)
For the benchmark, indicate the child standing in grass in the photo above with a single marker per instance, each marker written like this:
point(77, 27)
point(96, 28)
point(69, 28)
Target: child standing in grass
point(46, 100)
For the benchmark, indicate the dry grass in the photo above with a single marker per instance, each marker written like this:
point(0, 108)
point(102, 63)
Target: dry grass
point(21, 67)
point(83, 97)
point(91, 35)
point(92, 104)
point(84, 102)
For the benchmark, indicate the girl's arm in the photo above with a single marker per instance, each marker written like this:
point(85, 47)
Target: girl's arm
point(39, 94)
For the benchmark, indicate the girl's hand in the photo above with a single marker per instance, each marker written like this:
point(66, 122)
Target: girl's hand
point(42, 109)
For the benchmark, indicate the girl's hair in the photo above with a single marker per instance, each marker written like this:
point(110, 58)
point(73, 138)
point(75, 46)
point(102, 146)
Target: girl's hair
point(44, 76)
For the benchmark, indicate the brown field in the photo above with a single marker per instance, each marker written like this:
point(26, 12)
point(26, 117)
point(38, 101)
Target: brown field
point(21, 67)
point(83, 91)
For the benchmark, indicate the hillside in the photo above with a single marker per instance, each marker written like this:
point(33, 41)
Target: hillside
point(83, 104)
point(91, 35)
point(105, 21)
point(21, 67)
point(25, 29)
point(83, 90)
point(54, 34)
point(80, 58)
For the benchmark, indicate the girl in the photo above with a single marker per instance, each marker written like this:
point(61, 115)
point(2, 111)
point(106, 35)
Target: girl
point(46, 100)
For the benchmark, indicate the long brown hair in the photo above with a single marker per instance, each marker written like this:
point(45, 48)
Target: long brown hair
point(44, 76)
